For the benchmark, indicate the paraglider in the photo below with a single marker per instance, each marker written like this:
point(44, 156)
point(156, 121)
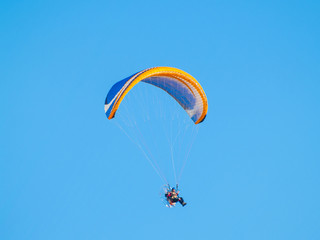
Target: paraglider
point(173, 197)
point(186, 91)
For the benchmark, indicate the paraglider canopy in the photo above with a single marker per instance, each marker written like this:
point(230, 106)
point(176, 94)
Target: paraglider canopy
point(180, 85)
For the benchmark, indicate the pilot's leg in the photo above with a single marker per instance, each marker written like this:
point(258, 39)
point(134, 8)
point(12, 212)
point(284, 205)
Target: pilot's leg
point(182, 202)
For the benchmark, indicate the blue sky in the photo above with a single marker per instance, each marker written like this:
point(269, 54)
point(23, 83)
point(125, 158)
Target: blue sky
point(66, 172)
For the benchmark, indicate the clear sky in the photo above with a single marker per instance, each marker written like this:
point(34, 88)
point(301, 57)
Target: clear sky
point(66, 172)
